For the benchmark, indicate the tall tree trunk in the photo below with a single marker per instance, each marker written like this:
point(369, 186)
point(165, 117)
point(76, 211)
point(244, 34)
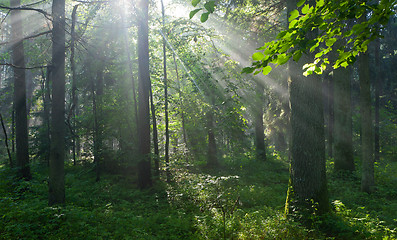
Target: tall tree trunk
point(155, 137)
point(130, 72)
point(259, 131)
point(343, 143)
point(97, 95)
point(46, 114)
point(74, 82)
point(377, 85)
point(330, 103)
point(56, 181)
point(21, 121)
point(167, 133)
point(367, 178)
point(144, 173)
point(307, 189)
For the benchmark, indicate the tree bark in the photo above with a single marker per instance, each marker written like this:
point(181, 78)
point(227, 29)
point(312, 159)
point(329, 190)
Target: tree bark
point(56, 182)
point(307, 189)
point(21, 121)
point(144, 173)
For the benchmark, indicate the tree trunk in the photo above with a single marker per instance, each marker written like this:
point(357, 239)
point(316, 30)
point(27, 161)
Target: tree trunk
point(331, 119)
point(6, 141)
point(343, 143)
point(377, 99)
point(46, 114)
point(259, 131)
point(367, 178)
point(144, 173)
point(212, 149)
point(307, 190)
point(97, 94)
point(21, 121)
point(74, 84)
point(155, 137)
point(167, 133)
point(130, 72)
point(56, 181)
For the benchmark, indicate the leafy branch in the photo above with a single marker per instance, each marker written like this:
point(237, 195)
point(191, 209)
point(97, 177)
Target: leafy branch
point(330, 18)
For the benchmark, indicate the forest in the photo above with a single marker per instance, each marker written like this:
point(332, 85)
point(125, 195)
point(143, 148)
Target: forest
point(198, 119)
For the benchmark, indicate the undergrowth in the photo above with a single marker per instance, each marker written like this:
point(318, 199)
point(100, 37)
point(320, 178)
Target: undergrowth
point(241, 200)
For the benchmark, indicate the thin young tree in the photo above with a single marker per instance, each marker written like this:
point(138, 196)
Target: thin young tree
point(167, 132)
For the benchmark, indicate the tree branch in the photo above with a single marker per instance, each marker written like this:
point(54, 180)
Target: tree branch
point(28, 37)
point(47, 15)
point(14, 66)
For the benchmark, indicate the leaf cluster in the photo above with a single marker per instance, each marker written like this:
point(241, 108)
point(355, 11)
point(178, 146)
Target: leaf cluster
point(315, 28)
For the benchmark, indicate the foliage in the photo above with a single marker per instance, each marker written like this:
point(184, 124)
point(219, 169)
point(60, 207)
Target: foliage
point(330, 18)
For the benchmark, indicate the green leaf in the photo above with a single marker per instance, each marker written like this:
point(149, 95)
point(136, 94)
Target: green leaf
point(267, 70)
point(293, 23)
point(297, 56)
point(294, 14)
point(281, 34)
point(330, 42)
point(192, 13)
point(204, 17)
point(282, 59)
point(195, 2)
point(320, 3)
point(210, 6)
point(305, 9)
point(248, 70)
point(257, 56)
point(300, 3)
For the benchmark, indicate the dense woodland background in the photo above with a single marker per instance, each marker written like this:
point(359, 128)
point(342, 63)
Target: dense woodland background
point(161, 120)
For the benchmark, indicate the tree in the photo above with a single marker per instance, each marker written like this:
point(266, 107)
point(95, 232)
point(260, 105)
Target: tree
point(144, 171)
point(307, 188)
point(167, 133)
point(343, 144)
point(21, 122)
point(258, 121)
point(56, 181)
point(367, 178)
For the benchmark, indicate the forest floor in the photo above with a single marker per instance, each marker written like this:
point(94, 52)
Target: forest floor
point(238, 201)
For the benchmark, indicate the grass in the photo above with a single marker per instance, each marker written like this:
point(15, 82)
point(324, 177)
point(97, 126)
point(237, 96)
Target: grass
point(242, 200)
